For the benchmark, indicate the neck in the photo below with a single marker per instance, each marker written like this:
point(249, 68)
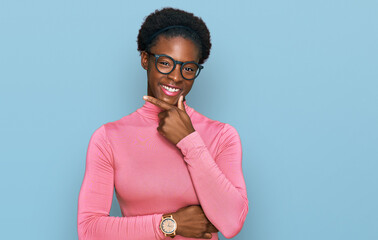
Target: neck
point(151, 111)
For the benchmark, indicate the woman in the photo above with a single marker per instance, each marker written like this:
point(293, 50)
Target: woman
point(176, 172)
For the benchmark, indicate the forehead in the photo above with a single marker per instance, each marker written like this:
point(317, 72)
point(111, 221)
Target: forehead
point(181, 49)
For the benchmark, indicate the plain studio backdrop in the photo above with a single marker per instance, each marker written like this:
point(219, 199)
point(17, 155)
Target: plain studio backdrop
point(297, 79)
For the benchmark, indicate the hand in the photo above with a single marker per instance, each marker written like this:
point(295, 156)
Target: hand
point(193, 223)
point(174, 122)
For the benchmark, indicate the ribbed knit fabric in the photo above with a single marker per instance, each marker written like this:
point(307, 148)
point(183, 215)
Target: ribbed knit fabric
point(152, 176)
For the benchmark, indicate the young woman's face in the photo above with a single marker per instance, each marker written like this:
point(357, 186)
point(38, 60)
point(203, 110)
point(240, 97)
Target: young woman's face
point(179, 49)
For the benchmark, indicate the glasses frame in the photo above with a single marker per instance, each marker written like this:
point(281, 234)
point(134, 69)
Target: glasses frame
point(175, 62)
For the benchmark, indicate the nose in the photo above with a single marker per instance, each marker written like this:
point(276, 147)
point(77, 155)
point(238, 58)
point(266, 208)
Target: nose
point(176, 74)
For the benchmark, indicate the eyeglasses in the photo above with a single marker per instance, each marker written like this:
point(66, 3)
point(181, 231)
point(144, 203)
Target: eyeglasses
point(166, 64)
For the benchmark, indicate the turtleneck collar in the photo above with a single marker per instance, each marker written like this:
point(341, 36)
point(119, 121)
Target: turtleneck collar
point(151, 111)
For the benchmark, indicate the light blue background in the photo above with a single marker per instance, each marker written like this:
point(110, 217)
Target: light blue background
point(297, 79)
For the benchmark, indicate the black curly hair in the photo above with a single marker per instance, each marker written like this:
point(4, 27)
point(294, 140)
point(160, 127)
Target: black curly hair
point(174, 22)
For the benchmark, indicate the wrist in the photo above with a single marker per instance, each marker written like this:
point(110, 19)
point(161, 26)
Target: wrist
point(168, 225)
point(186, 136)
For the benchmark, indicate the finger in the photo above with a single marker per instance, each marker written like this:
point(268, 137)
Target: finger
point(160, 131)
point(211, 228)
point(161, 123)
point(162, 114)
point(158, 102)
point(180, 103)
point(207, 236)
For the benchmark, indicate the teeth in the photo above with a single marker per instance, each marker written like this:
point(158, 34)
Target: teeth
point(171, 89)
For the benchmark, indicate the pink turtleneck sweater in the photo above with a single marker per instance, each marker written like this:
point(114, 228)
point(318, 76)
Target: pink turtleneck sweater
point(152, 176)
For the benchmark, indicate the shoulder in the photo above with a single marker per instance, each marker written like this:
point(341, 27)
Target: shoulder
point(207, 124)
point(99, 136)
point(215, 132)
point(101, 133)
point(123, 124)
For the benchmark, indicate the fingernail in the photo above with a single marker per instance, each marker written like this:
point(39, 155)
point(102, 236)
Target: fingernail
point(145, 97)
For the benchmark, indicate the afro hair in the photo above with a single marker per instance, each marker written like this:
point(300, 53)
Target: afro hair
point(189, 26)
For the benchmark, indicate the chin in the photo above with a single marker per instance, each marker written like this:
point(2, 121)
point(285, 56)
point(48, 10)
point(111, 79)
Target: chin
point(170, 100)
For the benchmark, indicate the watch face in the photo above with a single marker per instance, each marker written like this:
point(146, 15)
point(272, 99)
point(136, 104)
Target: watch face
point(168, 225)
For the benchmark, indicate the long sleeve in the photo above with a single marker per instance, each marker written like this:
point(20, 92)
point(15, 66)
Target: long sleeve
point(96, 195)
point(218, 182)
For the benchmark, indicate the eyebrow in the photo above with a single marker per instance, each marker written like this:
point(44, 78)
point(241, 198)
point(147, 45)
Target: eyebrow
point(197, 61)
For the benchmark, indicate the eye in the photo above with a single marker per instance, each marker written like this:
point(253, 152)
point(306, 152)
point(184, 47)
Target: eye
point(164, 63)
point(188, 69)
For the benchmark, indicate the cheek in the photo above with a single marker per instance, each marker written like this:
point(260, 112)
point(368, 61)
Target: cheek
point(151, 76)
point(153, 81)
point(188, 87)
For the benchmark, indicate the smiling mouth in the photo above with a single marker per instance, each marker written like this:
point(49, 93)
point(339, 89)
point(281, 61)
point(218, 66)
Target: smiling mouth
point(170, 91)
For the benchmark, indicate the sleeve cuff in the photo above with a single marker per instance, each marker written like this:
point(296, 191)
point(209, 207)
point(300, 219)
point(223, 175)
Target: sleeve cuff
point(191, 142)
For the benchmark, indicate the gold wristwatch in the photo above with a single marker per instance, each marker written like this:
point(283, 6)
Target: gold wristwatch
point(168, 226)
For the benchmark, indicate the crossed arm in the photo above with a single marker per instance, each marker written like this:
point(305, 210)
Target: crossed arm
point(218, 182)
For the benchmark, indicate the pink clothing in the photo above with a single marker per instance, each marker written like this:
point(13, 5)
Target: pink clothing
point(152, 176)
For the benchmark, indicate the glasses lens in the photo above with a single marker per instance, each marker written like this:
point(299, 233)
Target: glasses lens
point(190, 70)
point(164, 64)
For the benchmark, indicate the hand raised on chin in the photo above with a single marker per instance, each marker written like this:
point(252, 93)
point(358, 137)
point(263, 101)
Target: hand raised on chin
point(174, 122)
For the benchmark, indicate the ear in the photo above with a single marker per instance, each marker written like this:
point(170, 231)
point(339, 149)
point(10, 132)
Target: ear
point(144, 60)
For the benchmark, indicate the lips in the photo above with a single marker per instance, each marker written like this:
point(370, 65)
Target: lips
point(170, 90)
